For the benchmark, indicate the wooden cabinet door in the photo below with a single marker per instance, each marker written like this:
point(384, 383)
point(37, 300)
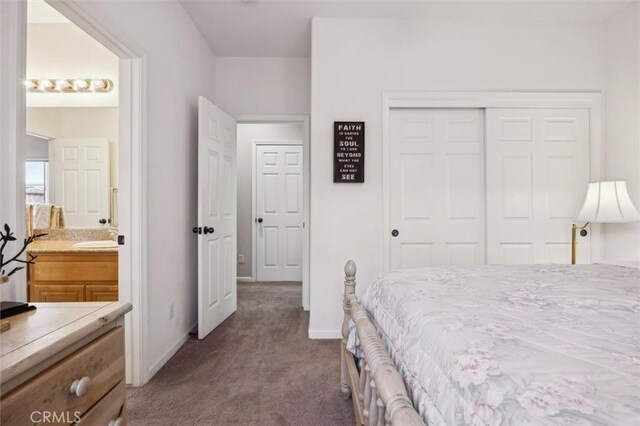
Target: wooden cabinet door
point(57, 293)
point(101, 293)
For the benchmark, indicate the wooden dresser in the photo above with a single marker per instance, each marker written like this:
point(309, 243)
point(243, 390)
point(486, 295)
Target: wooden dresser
point(64, 363)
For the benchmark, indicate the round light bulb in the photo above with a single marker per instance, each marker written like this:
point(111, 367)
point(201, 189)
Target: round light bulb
point(97, 85)
point(45, 84)
point(61, 85)
point(80, 84)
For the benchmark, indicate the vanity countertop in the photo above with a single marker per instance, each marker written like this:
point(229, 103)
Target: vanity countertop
point(59, 246)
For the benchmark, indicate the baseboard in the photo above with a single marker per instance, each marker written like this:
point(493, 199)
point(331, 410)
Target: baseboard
point(325, 334)
point(245, 279)
point(167, 356)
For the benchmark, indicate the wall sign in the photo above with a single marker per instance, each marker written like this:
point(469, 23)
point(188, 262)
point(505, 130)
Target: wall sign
point(348, 151)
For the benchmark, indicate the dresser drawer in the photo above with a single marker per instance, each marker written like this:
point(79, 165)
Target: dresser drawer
point(109, 411)
point(96, 369)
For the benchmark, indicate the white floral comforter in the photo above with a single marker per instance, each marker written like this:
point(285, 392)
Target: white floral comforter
point(515, 345)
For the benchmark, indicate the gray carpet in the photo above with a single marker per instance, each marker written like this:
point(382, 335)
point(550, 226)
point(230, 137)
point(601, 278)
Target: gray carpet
point(257, 368)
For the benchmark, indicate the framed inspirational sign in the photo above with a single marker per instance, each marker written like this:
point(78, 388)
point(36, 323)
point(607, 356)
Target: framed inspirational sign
point(348, 151)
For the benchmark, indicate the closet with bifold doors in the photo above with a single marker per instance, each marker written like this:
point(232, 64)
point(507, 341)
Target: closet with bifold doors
point(469, 186)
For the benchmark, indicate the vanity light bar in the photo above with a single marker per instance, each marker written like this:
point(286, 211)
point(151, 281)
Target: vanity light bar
point(65, 85)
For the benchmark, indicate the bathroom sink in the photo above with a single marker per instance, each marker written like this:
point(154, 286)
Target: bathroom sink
point(96, 244)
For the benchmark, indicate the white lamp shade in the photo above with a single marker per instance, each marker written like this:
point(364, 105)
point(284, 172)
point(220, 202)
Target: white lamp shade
point(608, 202)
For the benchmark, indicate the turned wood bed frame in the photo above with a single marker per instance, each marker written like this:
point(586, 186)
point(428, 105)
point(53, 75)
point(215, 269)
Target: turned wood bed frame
point(376, 388)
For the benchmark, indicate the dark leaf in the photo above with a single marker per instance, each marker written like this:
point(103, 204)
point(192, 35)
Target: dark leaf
point(19, 268)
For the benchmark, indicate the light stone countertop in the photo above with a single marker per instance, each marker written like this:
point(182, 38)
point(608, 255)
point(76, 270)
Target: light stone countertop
point(57, 246)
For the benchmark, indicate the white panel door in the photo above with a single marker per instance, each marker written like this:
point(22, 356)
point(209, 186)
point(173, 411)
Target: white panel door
point(436, 187)
point(537, 175)
point(81, 180)
point(279, 210)
point(217, 298)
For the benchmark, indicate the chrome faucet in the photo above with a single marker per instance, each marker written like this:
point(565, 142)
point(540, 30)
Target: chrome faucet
point(113, 234)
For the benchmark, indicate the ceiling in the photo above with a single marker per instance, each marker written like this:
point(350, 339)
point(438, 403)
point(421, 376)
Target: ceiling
point(282, 28)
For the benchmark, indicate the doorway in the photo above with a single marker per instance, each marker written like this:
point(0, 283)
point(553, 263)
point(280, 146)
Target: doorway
point(273, 200)
point(71, 161)
point(131, 273)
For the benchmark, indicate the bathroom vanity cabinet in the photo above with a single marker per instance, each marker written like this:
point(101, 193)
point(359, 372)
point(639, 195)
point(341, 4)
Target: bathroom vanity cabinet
point(61, 274)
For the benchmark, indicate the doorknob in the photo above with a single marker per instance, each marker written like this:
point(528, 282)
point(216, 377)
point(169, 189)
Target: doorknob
point(259, 220)
point(395, 233)
point(208, 230)
point(197, 230)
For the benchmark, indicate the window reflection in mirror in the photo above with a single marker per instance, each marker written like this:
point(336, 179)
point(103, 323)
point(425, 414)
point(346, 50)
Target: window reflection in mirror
point(36, 179)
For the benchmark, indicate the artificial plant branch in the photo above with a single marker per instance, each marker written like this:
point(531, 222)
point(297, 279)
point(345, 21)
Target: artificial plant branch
point(6, 237)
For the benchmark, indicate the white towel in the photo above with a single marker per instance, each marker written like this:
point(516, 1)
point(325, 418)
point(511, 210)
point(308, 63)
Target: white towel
point(42, 216)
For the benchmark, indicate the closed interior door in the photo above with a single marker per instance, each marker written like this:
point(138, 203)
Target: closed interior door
point(81, 180)
point(279, 211)
point(436, 187)
point(216, 230)
point(537, 175)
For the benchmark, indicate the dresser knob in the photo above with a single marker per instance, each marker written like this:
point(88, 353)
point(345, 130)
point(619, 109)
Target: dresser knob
point(117, 422)
point(80, 387)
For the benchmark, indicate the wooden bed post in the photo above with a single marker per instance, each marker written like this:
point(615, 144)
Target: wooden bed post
point(349, 292)
point(376, 389)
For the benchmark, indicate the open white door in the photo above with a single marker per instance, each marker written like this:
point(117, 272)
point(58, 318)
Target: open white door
point(216, 228)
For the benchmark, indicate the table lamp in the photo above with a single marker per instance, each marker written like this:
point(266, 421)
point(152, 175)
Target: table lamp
point(605, 202)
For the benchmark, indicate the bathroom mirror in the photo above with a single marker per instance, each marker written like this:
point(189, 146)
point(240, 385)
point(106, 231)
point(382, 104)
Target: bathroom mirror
point(70, 182)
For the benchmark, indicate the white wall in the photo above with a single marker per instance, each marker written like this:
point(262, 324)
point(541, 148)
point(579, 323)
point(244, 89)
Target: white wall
point(36, 147)
point(180, 67)
point(354, 61)
point(62, 50)
point(622, 123)
point(267, 86)
point(12, 129)
point(71, 123)
point(247, 134)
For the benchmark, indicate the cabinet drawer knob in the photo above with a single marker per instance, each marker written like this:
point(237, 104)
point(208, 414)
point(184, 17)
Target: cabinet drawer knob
point(80, 387)
point(117, 422)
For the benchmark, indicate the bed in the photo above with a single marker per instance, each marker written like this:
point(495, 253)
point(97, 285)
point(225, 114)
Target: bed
point(489, 345)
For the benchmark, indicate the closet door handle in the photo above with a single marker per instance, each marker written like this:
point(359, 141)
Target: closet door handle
point(208, 230)
point(197, 230)
point(395, 233)
point(259, 220)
